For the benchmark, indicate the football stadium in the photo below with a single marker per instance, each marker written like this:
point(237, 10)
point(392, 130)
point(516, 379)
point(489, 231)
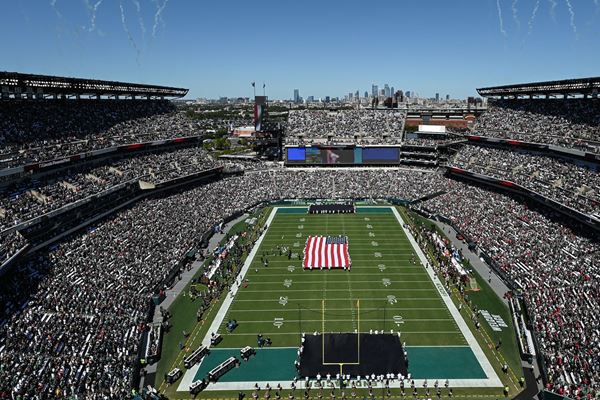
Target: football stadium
point(174, 227)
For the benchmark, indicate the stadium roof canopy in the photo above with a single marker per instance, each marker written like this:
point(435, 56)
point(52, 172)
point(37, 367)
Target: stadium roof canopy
point(17, 85)
point(585, 87)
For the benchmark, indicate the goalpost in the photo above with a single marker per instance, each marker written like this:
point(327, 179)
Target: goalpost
point(340, 363)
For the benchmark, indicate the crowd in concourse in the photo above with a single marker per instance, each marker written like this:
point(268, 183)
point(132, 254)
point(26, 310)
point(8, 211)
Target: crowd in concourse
point(553, 263)
point(573, 184)
point(342, 126)
point(571, 123)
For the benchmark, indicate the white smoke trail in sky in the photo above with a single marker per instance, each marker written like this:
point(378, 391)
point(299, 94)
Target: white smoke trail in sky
point(126, 29)
point(572, 14)
point(138, 8)
point(500, 20)
point(515, 13)
point(53, 5)
point(553, 9)
point(158, 16)
point(93, 10)
point(533, 14)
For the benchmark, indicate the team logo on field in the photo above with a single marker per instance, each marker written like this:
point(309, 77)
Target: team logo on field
point(291, 268)
point(302, 219)
point(283, 300)
point(392, 299)
point(374, 243)
point(367, 219)
point(300, 226)
point(398, 319)
point(369, 226)
point(296, 244)
point(386, 282)
point(381, 267)
point(371, 234)
point(278, 322)
point(378, 254)
point(298, 235)
point(287, 283)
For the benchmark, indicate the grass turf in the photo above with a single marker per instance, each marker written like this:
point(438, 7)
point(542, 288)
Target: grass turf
point(282, 300)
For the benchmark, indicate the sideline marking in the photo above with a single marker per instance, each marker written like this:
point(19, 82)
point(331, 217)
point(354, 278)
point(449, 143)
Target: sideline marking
point(492, 378)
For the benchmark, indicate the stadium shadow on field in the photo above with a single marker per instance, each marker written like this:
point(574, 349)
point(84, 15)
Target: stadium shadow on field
point(352, 354)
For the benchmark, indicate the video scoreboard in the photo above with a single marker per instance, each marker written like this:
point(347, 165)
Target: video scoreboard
point(342, 155)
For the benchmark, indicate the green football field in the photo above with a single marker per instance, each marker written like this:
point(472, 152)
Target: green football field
point(388, 288)
point(393, 290)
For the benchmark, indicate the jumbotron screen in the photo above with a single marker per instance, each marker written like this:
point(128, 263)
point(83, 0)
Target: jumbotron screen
point(320, 155)
point(342, 155)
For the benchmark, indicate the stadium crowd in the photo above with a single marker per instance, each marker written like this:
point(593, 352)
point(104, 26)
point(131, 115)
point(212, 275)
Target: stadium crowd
point(572, 123)
point(576, 185)
point(32, 131)
point(26, 200)
point(10, 244)
point(555, 265)
point(71, 318)
point(370, 126)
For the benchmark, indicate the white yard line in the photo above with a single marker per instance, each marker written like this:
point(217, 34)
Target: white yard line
point(493, 380)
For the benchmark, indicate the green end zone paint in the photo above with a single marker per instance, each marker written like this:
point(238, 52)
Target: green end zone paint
point(277, 364)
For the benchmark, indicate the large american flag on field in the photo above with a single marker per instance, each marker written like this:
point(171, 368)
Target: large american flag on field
point(326, 252)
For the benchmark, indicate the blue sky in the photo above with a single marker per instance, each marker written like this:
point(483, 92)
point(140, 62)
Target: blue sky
point(325, 47)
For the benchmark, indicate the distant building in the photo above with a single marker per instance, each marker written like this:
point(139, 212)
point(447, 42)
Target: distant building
point(366, 94)
point(374, 90)
point(386, 90)
point(296, 96)
point(408, 93)
point(310, 99)
point(447, 97)
point(437, 97)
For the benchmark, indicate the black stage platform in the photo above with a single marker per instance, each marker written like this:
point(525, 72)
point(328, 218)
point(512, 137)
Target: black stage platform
point(379, 354)
point(331, 209)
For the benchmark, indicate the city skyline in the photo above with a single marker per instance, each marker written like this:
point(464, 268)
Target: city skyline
point(206, 47)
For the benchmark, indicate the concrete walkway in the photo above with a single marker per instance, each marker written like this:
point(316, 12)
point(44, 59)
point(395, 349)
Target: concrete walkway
point(477, 263)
